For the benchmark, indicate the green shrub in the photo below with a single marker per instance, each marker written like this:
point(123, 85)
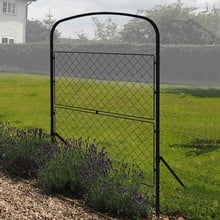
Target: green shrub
point(82, 170)
point(74, 168)
point(78, 168)
point(121, 192)
point(62, 173)
point(24, 151)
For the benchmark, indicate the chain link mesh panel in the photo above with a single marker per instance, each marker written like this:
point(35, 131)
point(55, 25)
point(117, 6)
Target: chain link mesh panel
point(107, 93)
point(109, 98)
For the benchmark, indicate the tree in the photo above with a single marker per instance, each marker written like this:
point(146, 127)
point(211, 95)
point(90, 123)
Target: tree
point(38, 31)
point(136, 31)
point(48, 23)
point(82, 36)
point(106, 31)
point(210, 20)
point(177, 25)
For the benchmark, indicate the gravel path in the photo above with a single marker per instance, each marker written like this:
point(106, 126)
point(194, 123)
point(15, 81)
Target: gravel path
point(20, 200)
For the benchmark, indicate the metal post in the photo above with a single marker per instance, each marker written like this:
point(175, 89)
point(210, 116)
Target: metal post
point(52, 81)
point(157, 121)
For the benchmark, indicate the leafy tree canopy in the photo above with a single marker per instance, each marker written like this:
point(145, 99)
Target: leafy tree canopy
point(177, 25)
point(38, 31)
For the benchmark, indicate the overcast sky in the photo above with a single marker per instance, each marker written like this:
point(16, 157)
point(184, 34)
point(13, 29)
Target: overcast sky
point(65, 8)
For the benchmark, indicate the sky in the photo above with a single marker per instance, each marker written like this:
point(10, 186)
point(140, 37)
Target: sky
point(64, 8)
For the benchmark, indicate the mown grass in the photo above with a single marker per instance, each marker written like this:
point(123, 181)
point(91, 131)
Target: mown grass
point(190, 138)
point(25, 100)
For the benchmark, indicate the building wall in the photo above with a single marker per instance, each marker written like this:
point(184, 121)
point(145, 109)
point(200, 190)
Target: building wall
point(13, 26)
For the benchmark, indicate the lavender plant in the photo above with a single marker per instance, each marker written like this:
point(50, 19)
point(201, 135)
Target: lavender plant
point(79, 168)
point(61, 173)
point(121, 192)
point(74, 168)
point(24, 151)
point(83, 170)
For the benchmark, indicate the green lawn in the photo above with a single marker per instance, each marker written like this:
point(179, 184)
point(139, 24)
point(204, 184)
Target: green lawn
point(190, 133)
point(25, 100)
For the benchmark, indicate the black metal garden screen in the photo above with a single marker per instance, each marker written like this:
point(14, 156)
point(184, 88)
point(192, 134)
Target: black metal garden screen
point(111, 98)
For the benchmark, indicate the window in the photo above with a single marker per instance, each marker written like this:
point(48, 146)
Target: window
point(11, 41)
point(6, 40)
point(5, 7)
point(8, 8)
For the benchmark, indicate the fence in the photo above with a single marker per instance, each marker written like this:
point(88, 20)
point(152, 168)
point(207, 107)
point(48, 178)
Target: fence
point(111, 99)
point(102, 96)
point(180, 64)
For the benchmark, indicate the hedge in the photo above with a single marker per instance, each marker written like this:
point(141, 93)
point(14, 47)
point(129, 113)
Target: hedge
point(188, 64)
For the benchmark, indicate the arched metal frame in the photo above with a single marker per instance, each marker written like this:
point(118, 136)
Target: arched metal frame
point(157, 88)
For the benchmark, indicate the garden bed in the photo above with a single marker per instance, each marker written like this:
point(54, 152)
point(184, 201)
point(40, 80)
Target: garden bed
point(20, 199)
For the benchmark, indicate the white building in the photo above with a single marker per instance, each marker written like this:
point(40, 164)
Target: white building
point(13, 20)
